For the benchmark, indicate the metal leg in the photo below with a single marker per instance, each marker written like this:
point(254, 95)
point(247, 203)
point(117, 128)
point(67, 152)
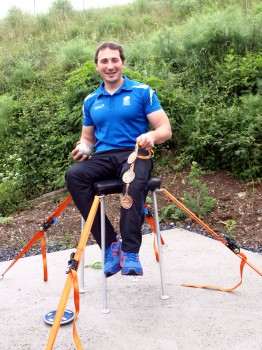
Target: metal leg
point(81, 275)
point(105, 309)
point(159, 247)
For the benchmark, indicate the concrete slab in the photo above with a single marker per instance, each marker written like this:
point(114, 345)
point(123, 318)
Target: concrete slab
point(139, 319)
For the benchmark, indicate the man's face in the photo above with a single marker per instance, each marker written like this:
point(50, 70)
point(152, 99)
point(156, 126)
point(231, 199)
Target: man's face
point(110, 65)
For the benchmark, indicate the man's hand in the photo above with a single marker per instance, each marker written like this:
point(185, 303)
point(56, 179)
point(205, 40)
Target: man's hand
point(79, 155)
point(146, 141)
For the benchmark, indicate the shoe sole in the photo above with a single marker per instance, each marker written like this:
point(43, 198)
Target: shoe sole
point(131, 272)
point(109, 273)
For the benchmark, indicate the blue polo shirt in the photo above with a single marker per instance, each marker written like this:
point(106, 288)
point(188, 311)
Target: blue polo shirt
point(119, 118)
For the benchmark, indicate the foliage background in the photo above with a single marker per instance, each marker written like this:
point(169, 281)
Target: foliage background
point(202, 57)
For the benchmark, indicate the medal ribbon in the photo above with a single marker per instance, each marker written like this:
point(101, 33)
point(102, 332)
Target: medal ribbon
point(129, 175)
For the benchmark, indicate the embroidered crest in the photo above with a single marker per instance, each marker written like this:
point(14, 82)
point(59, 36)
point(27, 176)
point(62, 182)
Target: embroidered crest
point(126, 101)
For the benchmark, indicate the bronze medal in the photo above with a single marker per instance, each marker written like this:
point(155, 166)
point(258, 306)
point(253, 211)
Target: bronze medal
point(128, 176)
point(132, 157)
point(126, 201)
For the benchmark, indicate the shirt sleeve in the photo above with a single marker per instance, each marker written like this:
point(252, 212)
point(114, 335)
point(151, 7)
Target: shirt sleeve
point(152, 102)
point(87, 120)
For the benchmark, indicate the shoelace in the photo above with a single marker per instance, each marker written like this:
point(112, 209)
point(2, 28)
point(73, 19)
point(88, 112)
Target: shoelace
point(110, 253)
point(131, 257)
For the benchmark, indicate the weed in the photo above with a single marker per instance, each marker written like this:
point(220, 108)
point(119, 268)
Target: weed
point(229, 226)
point(6, 220)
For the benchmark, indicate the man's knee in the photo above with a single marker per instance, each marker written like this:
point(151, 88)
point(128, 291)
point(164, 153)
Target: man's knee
point(69, 174)
point(73, 174)
point(77, 175)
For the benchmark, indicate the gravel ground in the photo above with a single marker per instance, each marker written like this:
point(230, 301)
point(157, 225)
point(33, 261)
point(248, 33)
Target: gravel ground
point(11, 253)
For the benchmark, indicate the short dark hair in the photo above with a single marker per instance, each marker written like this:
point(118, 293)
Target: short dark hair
point(111, 45)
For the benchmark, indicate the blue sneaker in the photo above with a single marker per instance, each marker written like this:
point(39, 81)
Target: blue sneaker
point(130, 264)
point(112, 259)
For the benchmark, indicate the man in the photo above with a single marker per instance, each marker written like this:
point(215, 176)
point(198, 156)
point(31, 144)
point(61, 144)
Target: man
point(115, 122)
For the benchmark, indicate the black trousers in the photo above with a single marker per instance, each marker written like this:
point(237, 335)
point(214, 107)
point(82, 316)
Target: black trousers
point(112, 165)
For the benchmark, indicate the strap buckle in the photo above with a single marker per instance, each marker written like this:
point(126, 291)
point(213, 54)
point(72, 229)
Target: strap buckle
point(72, 263)
point(46, 224)
point(231, 244)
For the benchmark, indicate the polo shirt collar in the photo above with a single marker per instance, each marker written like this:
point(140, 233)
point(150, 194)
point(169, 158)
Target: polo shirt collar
point(127, 86)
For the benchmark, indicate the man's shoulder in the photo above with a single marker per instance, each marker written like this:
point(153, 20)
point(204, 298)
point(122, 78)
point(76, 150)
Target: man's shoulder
point(133, 84)
point(93, 94)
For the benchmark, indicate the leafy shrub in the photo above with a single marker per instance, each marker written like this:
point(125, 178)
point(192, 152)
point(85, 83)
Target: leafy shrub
point(184, 9)
point(238, 75)
point(209, 37)
point(14, 17)
point(22, 74)
point(165, 43)
point(61, 9)
point(41, 136)
point(230, 138)
point(78, 85)
point(141, 6)
point(7, 107)
point(74, 54)
point(111, 26)
point(43, 21)
point(12, 197)
point(138, 55)
point(11, 194)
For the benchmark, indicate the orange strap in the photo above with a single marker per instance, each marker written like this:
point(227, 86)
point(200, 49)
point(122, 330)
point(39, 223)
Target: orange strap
point(77, 309)
point(208, 229)
point(40, 234)
point(150, 219)
point(242, 264)
point(193, 216)
point(60, 312)
point(72, 278)
point(43, 249)
point(61, 207)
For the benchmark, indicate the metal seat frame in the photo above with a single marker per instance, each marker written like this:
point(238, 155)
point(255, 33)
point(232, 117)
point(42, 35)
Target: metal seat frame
point(102, 189)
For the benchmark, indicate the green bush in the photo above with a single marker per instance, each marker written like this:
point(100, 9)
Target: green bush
point(184, 9)
point(12, 198)
point(217, 32)
point(74, 54)
point(7, 108)
point(230, 138)
point(165, 43)
point(61, 9)
point(78, 85)
point(40, 136)
point(22, 74)
point(110, 27)
point(238, 75)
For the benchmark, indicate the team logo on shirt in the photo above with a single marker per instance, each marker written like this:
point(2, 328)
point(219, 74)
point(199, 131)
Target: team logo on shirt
point(126, 101)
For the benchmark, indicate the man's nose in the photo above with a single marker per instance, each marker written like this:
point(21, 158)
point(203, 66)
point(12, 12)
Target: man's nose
point(110, 65)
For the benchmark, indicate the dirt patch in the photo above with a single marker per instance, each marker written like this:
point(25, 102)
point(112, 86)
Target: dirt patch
point(235, 200)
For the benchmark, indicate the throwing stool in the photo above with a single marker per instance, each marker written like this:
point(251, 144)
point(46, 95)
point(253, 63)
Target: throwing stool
point(104, 188)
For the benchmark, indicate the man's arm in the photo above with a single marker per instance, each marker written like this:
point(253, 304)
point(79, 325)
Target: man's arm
point(87, 137)
point(161, 133)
